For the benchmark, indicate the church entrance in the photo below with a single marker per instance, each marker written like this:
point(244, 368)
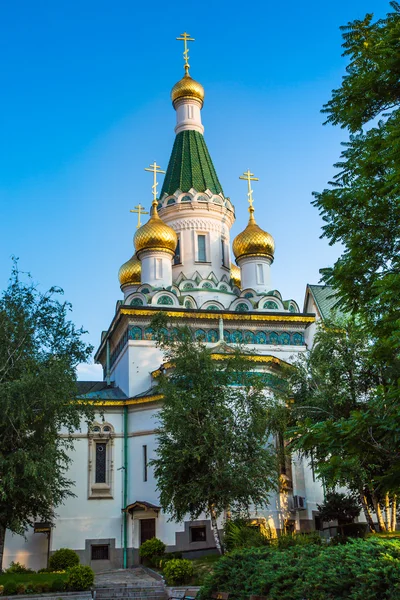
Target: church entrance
point(147, 529)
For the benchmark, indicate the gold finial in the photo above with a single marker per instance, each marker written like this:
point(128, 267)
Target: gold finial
point(249, 177)
point(154, 168)
point(185, 38)
point(139, 209)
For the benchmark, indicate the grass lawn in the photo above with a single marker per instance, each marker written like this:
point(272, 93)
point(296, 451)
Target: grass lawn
point(34, 577)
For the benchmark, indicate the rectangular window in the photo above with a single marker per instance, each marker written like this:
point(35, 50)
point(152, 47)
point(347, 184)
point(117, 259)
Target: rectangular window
point(177, 257)
point(158, 268)
point(224, 249)
point(144, 463)
point(101, 461)
point(201, 248)
point(260, 274)
point(100, 552)
point(190, 111)
point(197, 534)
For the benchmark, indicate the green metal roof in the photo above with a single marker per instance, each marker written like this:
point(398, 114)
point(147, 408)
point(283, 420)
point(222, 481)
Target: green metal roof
point(326, 299)
point(190, 166)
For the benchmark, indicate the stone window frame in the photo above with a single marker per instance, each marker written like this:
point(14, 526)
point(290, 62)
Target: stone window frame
point(101, 432)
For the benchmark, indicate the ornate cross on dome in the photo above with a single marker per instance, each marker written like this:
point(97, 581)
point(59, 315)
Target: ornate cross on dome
point(139, 209)
point(154, 168)
point(185, 38)
point(249, 177)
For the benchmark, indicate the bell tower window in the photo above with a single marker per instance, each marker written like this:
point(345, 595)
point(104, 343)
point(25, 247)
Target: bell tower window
point(201, 248)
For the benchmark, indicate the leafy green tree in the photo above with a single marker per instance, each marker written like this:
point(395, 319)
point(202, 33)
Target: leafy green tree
point(338, 419)
point(39, 351)
point(361, 207)
point(214, 451)
point(343, 508)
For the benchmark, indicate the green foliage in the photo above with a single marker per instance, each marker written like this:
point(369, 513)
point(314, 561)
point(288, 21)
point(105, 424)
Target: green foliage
point(152, 548)
point(63, 559)
point(29, 579)
point(16, 567)
point(178, 571)
point(343, 508)
point(39, 351)
point(240, 534)
point(10, 588)
point(213, 440)
point(20, 588)
point(288, 540)
point(58, 585)
point(80, 578)
point(359, 570)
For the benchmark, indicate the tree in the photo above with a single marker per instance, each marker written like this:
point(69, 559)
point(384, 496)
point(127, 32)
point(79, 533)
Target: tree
point(214, 453)
point(339, 507)
point(338, 418)
point(361, 207)
point(39, 351)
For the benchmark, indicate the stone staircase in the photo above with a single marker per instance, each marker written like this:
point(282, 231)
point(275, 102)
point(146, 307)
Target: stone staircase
point(153, 591)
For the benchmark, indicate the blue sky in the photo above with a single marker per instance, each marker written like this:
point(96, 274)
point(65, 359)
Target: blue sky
point(85, 106)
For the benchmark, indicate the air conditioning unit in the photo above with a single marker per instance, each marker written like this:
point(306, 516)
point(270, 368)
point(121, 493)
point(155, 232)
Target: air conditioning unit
point(299, 503)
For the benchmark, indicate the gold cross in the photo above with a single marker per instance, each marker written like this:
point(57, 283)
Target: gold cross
point(154, 168)
point(185, 38)
point(249, 177)
point(139, 209)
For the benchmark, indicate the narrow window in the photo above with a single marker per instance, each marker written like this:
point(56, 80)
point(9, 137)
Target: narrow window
point(201, 247)
point(177, 257)
point(101, 456)
point(158, 268)
point(260, 274)
point(144, 463)
point(190, 111)
point(224, 248)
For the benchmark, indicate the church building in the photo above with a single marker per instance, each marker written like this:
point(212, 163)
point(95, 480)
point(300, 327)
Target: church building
point(184, 264)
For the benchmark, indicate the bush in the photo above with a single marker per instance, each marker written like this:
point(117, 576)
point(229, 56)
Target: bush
point(20, 588)
point(62, 559)
point(150, 549)
point(44, 570)
point(359, 570)
point(288, 540)
point(178, 571)
point(16, 568)
point(80, 578)
point(10, 588)
point(239, 534)
point(30, 588)
point(58, 585)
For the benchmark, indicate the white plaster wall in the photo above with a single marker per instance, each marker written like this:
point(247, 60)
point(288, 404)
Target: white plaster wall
point(188, 116)
point(156, 268)
point(144, 357)
point(31, 552)
point(120, 371)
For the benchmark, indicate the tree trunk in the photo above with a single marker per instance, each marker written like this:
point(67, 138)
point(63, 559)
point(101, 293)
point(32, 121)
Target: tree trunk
point(367, 512)
point(214, 527)
point(388, 520)
point(378, 512)
point(394, 516)
point(2, 542)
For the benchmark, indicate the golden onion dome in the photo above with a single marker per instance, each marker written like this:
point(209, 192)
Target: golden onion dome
point(253, 241)
point(130, 272)
point(187, 88)
point(236, 275)
point(155, 234)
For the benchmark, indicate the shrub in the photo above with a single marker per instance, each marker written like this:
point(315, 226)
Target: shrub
point(10, 588)
point(239, 534)
point(58, 585)
point(288, 540)
point(150, 549)
point(30, 587)
point(17, 568)
point(178, 571)
point(1, 590)
point(44, 570)
point(80, 578)
point(20, 588)
point(360, 570)
point(64, 558)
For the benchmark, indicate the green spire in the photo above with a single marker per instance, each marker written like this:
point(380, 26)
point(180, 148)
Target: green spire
point(190, 166)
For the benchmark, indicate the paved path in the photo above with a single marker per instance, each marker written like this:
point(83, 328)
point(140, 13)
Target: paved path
point(136, 576)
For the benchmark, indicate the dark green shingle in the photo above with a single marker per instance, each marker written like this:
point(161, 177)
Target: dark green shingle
point(325, 299)
point(190, 166)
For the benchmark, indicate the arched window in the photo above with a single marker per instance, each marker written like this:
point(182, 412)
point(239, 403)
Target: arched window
point(100, 469)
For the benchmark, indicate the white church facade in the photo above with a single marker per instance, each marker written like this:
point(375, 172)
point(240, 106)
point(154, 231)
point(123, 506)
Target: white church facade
point(183, 266)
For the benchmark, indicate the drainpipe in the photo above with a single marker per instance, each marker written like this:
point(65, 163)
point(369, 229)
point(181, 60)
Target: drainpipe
point(108, 362)
point(125, 517)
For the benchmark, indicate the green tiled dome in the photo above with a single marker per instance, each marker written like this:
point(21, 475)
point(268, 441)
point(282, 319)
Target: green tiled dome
point(190, 166)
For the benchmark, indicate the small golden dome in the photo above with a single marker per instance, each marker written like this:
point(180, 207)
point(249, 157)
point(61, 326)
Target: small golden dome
point(130, 272)
point(155, 234)
point(236, 275)
point(187, 88)
point(253, 241)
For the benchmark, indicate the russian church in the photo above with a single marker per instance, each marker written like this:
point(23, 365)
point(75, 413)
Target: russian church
point(185, 265)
